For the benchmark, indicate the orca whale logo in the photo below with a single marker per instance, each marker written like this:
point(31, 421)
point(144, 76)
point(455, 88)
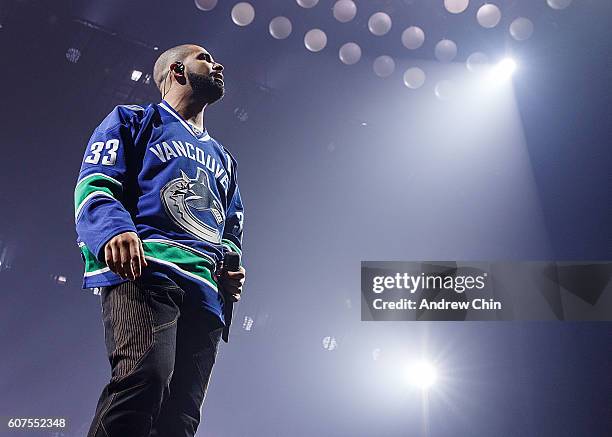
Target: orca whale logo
point(187, 201)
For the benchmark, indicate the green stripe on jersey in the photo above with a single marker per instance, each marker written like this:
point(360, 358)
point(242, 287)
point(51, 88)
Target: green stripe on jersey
point(231, 245)
point(92, 265)
point(96, 183)
point(183, 260)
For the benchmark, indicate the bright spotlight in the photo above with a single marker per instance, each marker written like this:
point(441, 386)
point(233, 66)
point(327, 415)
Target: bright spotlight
point(504, 69)
point(136, 75)
point(422, 374)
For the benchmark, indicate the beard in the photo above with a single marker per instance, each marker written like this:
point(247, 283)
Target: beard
point(205, 87)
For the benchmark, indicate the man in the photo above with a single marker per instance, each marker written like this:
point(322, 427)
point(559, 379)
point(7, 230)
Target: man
point(157, 206)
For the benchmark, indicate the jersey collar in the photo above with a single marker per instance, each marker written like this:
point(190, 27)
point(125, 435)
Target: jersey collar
point(201, 136)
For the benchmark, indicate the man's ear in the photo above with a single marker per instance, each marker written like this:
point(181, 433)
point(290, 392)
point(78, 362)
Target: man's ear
point(178, 71)
point(178, 68)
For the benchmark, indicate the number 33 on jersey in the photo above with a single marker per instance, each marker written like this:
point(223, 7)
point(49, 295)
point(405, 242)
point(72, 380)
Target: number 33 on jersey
point(107, 150)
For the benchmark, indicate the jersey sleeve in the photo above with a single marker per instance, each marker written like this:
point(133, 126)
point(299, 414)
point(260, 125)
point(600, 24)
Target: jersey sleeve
point(234, 217)
point(99, 210)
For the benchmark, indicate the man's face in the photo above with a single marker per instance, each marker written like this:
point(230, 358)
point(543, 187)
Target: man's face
point(204, 75)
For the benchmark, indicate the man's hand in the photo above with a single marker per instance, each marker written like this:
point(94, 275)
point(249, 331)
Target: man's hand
point(125, 256)
point(231, 283)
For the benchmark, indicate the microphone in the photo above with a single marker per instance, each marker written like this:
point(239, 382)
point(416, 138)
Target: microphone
point(231, 263)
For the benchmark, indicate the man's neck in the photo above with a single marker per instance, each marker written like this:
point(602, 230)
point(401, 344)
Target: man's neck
point(191, 111)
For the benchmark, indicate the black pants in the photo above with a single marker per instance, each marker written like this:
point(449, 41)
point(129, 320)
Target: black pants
point(162, 348)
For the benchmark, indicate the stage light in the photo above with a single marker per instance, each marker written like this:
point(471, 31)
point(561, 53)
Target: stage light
point(73, 54)
point(315, 40)
point(559, 4)
point(243, 14)
point(444, 90)
point(503, 70)
point(414, 78)
point(307, 3)
point(456, 6)
point(488, 15)
point(376, 354)
point(446, 50)
point(422, 374)
point(476, 62)
point(350, 53)
point(6, 255)
point(329, 343)
point(59, 279)
point(521, 29)
point(344, 10)
point(205, 5)
point(247, 324)
point(280, 27)
point(379, 23)
point(384, 66)
point(136, 75)
point(241, 113)
point(413, 37)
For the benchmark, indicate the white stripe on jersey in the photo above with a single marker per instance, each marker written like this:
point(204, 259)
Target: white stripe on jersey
point(182, 246)
point(105, 176)
point(89, 196)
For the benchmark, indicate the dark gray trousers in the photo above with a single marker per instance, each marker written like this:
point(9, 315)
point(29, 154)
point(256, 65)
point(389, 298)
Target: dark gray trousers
point(161, 348)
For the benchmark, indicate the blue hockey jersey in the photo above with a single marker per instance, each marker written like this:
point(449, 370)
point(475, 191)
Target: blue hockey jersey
point(148, 171)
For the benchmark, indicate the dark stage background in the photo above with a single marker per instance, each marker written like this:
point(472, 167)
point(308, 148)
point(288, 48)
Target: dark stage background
point(336, 166)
